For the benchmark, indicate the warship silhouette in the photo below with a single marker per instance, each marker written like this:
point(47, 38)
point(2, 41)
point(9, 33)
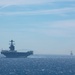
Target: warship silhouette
point(12, 53)
point(71, 53)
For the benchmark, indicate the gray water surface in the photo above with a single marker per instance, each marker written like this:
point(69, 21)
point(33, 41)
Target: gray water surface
point(38, 65)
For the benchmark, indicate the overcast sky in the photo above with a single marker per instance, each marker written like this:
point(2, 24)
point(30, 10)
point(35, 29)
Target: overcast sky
point(44, 26)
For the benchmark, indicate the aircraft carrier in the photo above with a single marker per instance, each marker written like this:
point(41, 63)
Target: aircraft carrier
point(12, 53)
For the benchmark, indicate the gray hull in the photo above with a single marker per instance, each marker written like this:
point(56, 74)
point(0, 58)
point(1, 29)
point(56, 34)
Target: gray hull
point(12, 53)
point(9, 54)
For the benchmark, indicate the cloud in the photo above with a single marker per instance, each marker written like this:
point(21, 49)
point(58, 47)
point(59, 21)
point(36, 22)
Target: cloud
point(20, 2)
point(61, 28)
point(63, 24)
point(28, 2)
point(64, 28)
point(41, 12)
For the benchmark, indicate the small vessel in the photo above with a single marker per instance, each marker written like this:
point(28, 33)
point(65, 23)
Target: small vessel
point(71, 53)
point(12, 53)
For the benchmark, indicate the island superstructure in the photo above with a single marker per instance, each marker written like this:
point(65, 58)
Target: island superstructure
point(12, 53)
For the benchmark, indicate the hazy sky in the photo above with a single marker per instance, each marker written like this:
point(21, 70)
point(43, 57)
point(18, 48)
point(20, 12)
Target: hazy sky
point(44, 26)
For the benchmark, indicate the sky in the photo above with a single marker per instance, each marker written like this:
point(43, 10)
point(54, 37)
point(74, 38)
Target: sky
point(44, 26)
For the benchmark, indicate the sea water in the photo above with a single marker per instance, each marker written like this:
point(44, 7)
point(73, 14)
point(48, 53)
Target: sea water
point(38, 65)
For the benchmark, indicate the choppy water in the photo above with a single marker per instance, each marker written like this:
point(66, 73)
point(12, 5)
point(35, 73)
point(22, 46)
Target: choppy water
point(38, 65)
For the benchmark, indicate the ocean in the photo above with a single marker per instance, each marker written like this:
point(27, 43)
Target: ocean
point(38, 65)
